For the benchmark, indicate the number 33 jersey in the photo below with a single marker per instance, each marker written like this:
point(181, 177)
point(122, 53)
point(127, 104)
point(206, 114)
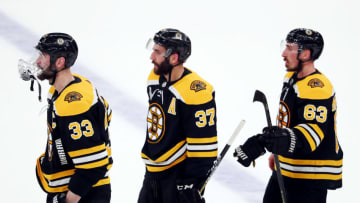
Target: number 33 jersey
point(181, 125)
point(308, 106)
point(78, 151)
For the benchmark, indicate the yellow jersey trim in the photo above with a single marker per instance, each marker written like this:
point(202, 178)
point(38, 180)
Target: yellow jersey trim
point(202, 154)
point(163, 168)
point(311, 162)
point(168, 154)
point(86, 151)
point(201, 140)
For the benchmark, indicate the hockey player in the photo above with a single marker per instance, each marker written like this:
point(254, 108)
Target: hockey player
point(305, 137)
point(181, 136)
point(75, 165)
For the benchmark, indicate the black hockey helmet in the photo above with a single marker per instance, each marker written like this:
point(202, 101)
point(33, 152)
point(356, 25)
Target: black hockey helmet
point(307, 39)
point(59, 45)
point(174, 41)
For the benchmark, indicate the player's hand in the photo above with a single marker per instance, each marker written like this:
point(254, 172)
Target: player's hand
point(271, 162)
point(72, 197)
point(250, 150)
point(279, 140)
point(188, 192)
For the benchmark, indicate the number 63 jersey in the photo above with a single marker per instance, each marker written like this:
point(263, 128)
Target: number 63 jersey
point(181, 126)
point(308, 106)
point(78, 151)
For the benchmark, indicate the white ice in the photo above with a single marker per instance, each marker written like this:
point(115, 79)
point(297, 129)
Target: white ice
point(235, 47)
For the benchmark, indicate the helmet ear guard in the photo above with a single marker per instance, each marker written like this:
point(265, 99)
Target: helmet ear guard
point(307, 39)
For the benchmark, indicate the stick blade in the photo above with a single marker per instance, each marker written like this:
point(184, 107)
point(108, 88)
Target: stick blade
point(259, 96)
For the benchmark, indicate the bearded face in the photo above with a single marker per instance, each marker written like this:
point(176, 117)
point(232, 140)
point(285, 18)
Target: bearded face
point(162, 68)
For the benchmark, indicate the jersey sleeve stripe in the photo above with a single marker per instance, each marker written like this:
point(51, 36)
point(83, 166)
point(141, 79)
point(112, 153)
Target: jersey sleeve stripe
point(318, 131)
point(93, 165)
point(308, 137)
point(63, 181)
point(313, 134)
point(86, 151)
point(90, 158)
point(59, 174)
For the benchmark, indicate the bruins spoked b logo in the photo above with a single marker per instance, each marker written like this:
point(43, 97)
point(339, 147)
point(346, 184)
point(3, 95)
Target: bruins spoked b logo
point(155, 123)
point(283, 118)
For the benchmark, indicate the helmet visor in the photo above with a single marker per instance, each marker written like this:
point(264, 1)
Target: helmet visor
point(288, 46)
point(151, 45)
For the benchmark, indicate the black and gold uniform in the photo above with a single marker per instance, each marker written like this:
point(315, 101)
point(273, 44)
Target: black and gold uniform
point(181, 136)
point(78, 151)
point(308, 106)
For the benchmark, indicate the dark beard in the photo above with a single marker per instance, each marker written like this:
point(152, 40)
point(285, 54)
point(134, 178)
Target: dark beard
point(46, 74)
point(163, 68)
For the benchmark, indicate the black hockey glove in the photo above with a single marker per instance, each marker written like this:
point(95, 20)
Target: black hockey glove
point(279, 140)
point(189, 192)
point(249, 151)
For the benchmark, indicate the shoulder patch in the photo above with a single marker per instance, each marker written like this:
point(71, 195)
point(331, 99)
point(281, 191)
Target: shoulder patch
point(73, 96)
point(192, 90)
point(76, 98)
point(198, 85)
point(315, 86)
point(315, 82)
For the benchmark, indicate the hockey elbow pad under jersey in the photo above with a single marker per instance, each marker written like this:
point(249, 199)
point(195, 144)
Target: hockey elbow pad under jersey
point(249, 151)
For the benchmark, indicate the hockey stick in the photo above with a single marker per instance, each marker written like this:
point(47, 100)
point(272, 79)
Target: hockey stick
point(222, 154)
point(260, 97)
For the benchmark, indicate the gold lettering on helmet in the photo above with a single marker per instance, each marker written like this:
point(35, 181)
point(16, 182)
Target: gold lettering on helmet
point(60, 41)
point(198, 85)
point(315, 83)
point(73, 96)
point(308, 32)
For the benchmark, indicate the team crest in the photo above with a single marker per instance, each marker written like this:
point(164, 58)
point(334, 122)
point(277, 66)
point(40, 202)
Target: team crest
point(60, 41)
point(155, 123)
point(73, 96)
point(283, 117)
point(315, 83)
point(198, 85)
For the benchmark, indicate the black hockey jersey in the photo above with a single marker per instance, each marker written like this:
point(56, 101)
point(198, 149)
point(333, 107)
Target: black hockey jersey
point(308, 106)
point(181, 126)
point(78, 151)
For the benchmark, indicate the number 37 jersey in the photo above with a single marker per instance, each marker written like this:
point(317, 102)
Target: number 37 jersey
point(181, 125)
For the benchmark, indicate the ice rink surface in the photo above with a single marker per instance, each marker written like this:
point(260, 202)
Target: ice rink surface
point(235, 46)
